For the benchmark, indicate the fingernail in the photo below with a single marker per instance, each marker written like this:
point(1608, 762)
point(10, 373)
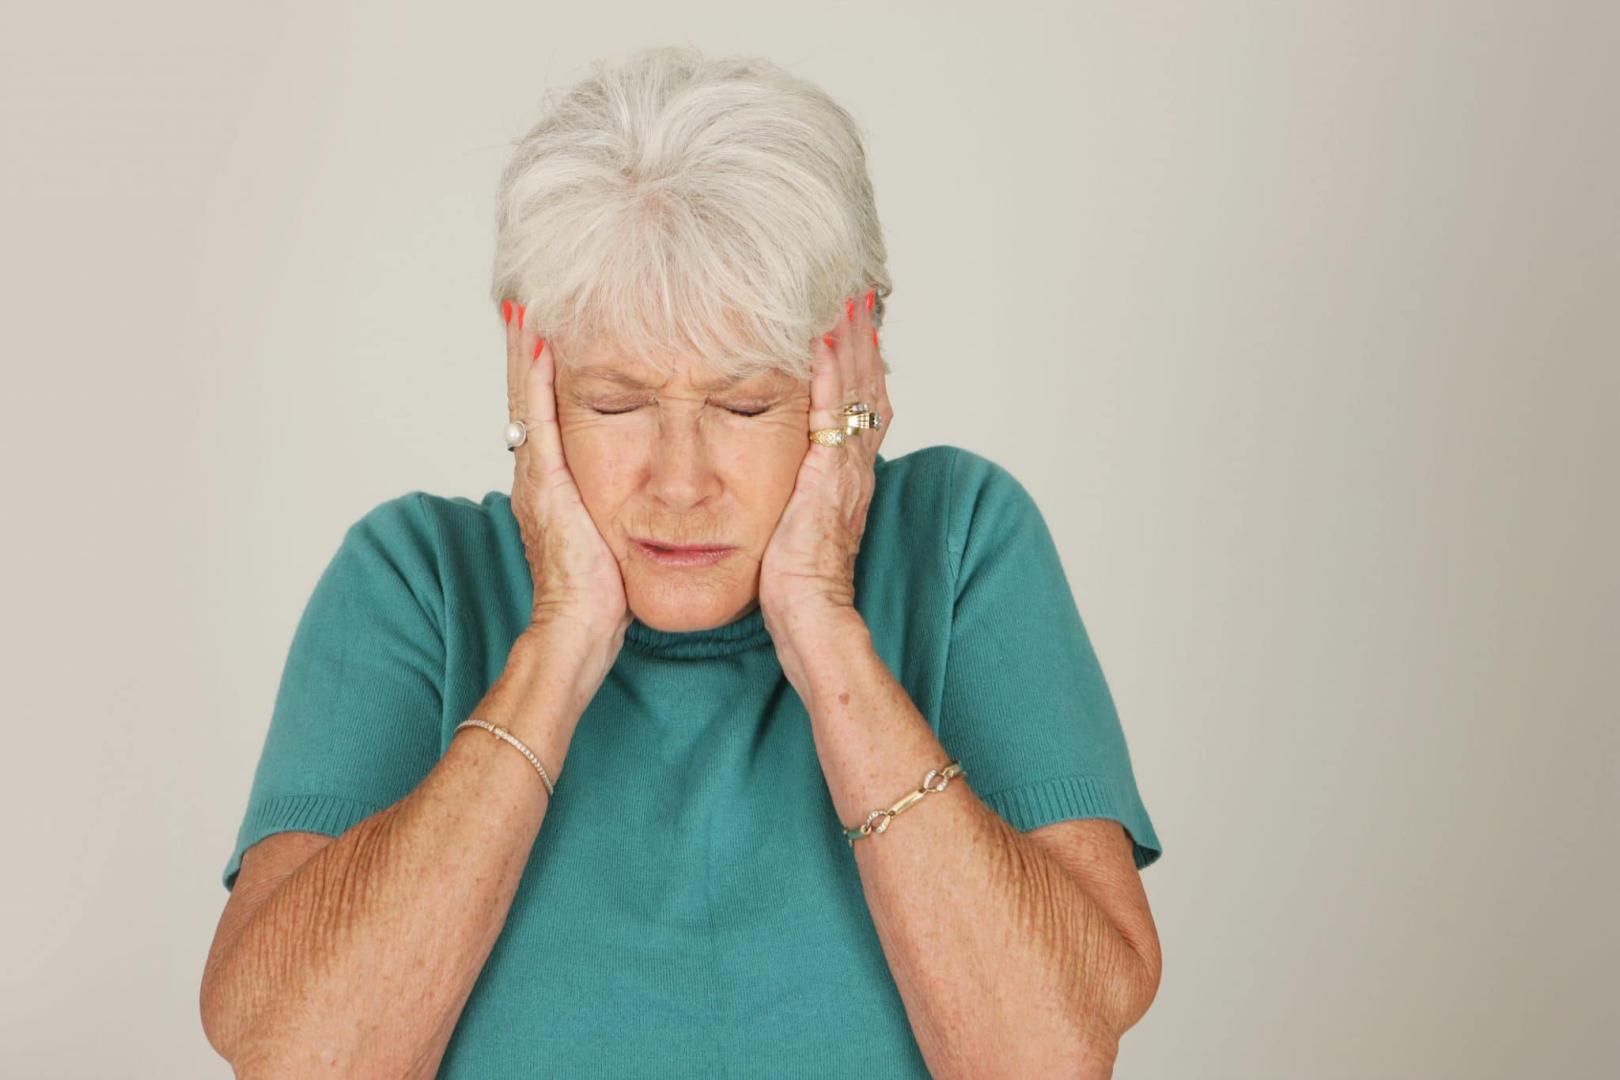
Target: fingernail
point(506, 310)
point(828, 339)
point(849, 307)
point(520, 316)
point(874, 336)
point(871, 294)
point(539, 343)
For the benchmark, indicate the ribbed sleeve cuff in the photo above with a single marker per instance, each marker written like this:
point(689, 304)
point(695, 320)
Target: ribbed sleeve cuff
point(1029, 806)
point(328, 814)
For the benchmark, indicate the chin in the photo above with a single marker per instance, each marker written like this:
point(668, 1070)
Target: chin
point(681, 613)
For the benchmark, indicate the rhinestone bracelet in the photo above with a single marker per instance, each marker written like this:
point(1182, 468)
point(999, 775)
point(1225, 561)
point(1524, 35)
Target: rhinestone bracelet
point(883, 817)
point(501, 733)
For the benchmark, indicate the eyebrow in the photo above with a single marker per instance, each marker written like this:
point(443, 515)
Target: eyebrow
point(615, 375)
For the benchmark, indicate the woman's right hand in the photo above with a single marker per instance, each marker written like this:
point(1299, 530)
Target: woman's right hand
point(577, 584)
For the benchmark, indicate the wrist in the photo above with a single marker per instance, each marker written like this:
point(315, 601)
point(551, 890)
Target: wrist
point(594, 645)
point(815, 645)
point(551, 675)
point(808, 622)
point(575, 626)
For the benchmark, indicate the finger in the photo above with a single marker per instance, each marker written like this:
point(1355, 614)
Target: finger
point(516, 369)
point(539, 409)
point(870, 384)
point(844, 335)
point(874, 307)
point(863, 337)
point(826, 388)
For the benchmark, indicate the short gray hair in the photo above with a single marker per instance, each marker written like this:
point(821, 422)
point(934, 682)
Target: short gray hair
point(677, 204)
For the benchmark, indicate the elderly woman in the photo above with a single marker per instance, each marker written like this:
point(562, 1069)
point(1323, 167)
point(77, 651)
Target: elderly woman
point(722, 745)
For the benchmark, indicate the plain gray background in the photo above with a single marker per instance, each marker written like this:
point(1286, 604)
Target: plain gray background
point(1298, 320)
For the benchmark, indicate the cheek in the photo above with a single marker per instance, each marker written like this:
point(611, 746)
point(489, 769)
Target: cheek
point(767, 474)
point(604, 467)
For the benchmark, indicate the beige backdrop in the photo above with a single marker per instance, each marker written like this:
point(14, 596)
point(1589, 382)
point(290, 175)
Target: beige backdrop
point(1298, 320)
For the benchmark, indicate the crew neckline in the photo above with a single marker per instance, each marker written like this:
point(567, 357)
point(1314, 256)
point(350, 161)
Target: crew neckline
point(745, 632)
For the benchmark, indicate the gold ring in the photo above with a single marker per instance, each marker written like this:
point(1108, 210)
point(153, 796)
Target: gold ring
point(860, 415)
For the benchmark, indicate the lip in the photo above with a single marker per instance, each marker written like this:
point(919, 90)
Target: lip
point(685, 555)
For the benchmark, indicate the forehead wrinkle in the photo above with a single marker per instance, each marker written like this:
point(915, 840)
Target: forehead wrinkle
point(612, 374)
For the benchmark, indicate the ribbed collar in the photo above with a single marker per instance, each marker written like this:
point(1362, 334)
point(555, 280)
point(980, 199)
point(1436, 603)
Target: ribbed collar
point(746, 632)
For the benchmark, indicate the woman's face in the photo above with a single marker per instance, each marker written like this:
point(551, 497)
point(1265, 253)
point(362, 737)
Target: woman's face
point(679, 464)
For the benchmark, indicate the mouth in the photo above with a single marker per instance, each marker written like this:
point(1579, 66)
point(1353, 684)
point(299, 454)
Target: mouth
point(682, 555)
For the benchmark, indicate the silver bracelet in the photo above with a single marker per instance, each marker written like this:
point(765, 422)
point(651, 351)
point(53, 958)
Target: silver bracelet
point(501, 733)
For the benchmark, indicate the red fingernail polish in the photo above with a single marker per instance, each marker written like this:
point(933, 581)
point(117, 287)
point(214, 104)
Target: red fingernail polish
point(871, 294)
point(520, 316)
point(539, 343)
point(828, 340)
point(506, 310)
point(849, 308)
point(874, 336)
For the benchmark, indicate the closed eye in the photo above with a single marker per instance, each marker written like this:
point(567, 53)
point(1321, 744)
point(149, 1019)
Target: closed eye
point(633, 408)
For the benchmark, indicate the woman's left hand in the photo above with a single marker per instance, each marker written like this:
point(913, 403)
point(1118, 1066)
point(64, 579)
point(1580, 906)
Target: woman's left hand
point(807, 571)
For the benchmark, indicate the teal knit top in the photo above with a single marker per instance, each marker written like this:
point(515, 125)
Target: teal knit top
point(690, 906)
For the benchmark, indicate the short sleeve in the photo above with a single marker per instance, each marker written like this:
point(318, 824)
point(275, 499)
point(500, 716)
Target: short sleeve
point(357, 716)
point(1025, 707)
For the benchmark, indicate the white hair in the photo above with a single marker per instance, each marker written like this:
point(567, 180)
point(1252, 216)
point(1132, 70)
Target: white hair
point(674, 204)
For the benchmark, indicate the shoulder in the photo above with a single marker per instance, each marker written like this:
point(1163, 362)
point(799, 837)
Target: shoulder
point(424, 521)
point(950, 471)
point(398, 520)
point(942, 472)
point(464, 555)
point(419, 541)
point(935, 511)
point(387, 559)
point(964, 492)
point(397, 535)
point(473, 536)
point(911, 501)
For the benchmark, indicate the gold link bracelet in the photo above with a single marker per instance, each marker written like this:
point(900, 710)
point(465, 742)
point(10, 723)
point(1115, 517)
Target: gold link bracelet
point(883, 817)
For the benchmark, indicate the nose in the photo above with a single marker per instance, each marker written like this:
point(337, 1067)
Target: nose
point(680, 473)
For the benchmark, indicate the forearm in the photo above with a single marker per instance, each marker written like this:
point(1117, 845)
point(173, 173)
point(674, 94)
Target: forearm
point(360, 962)
point(1004, 963)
